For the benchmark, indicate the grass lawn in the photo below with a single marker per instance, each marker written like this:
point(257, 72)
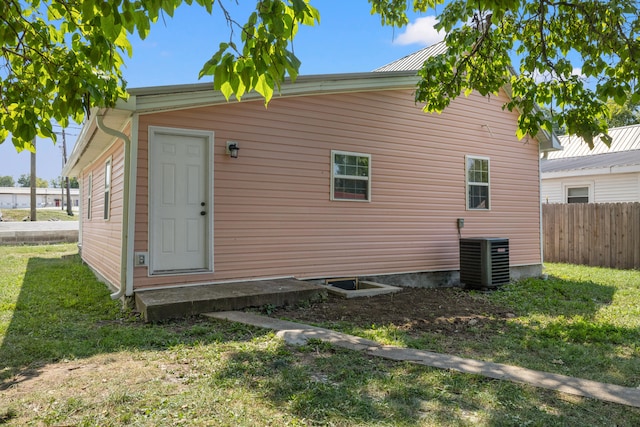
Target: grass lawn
point(70, 356)
point(41, 215)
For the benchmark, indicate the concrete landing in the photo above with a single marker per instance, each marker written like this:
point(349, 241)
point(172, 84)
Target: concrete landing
point(172, 303)
point(298, 334)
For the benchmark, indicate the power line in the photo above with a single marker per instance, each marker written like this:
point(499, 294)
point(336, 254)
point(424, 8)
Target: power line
point(67, 127)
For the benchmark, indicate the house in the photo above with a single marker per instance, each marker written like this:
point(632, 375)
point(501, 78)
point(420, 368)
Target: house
point(20, 197)
point(577, 174)
point(341, 176)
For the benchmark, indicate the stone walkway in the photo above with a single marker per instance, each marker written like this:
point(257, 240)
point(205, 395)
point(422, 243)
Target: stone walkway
point(298, 334)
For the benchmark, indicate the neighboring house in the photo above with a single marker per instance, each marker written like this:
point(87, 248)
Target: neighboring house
point(20, 197)
point(602, 175)
point(342, 175)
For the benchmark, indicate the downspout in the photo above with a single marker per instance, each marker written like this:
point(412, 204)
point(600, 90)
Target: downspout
point(540, 206)
point(125, 208)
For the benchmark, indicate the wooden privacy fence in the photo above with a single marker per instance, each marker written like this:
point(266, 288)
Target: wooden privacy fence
point(595, 234)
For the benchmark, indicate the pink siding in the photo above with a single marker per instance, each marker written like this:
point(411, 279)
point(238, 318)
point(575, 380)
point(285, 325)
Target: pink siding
point(273, 214)
point(101, 239)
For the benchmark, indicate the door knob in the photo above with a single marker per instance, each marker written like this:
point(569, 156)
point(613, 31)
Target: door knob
point(202, 204)
point(203, 213)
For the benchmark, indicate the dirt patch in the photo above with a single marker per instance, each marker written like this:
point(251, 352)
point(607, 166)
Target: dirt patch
point(96, 387)
point(414, 310)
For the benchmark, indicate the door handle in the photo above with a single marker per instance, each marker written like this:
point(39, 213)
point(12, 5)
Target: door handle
point(203, 213)
point(202, 204)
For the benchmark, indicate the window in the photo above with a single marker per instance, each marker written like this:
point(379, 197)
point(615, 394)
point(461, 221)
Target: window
point(350, 176)
point(107, 188)
point(89, 194)
point(477, 182)
point(578, 195)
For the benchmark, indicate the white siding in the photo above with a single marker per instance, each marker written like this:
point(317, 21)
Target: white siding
point(606, 188)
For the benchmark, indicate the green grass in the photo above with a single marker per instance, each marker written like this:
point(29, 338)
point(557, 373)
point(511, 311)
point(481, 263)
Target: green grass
point(70, 356)
point(582, 322)
point(41, 215)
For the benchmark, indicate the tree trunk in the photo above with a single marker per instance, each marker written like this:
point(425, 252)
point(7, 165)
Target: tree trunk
point(66, 178)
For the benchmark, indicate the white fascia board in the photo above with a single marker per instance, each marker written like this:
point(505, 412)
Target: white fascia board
point(86, 133)
point(190, 96)
point(548, 141)
point(596, 171)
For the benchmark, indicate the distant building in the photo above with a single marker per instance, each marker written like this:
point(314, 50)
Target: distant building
point(20, 197)
point(577, 174)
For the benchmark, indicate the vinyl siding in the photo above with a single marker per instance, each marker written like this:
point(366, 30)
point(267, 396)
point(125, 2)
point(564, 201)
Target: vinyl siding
point(101, 239)
point(606, 188)
point(272, 212)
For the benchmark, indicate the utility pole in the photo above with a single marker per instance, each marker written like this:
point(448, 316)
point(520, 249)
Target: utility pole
point(33, 182)
point(66, 178)
point(61, 182)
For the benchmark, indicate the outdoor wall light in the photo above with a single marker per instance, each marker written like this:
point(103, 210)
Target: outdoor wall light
point(232, 149)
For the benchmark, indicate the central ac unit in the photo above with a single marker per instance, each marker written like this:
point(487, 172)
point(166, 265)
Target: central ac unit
point(484, 262)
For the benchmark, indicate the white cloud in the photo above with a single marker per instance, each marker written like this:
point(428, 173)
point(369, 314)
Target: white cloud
point(420, 32)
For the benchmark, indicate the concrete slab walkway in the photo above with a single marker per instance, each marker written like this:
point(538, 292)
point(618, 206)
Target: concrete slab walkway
point(298, 334)
point(38, 232)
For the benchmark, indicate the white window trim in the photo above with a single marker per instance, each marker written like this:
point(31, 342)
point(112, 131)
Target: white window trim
point(467, 183)
point(107, 188)
point(589, 185)
point(334, 176)
point(89, 195)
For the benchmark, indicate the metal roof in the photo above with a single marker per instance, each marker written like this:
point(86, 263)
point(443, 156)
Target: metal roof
point(625, 138)
point(414, 61)
point(610, 161)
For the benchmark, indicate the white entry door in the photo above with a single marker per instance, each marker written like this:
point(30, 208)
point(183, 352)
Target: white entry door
point(181, 202)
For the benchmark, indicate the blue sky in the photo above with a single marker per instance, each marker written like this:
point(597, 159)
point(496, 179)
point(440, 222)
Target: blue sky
point(348, 39)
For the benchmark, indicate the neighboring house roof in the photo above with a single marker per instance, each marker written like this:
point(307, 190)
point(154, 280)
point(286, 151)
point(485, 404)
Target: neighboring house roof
point(625, 138)
point(414, 61)
point(576, 158)
point(606, 160)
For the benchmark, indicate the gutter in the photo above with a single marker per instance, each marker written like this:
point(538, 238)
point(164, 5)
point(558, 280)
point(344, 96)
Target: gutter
point(126, 286)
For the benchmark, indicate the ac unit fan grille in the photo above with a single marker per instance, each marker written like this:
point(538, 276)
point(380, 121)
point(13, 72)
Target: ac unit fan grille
point(484, 262)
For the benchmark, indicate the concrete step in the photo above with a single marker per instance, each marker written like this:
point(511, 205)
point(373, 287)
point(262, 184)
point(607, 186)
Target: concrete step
point(162, 304)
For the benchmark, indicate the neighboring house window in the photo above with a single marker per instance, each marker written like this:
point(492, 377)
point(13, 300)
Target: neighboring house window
point(107, 188)
point(477, 182)
point(578, 195)
point(89, 195)
point(350, 176)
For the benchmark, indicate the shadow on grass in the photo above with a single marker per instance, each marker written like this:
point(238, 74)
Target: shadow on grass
point(565, 327)
point(331, 386)
point(556, 297)
point(62, 312)
point(570, 311)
